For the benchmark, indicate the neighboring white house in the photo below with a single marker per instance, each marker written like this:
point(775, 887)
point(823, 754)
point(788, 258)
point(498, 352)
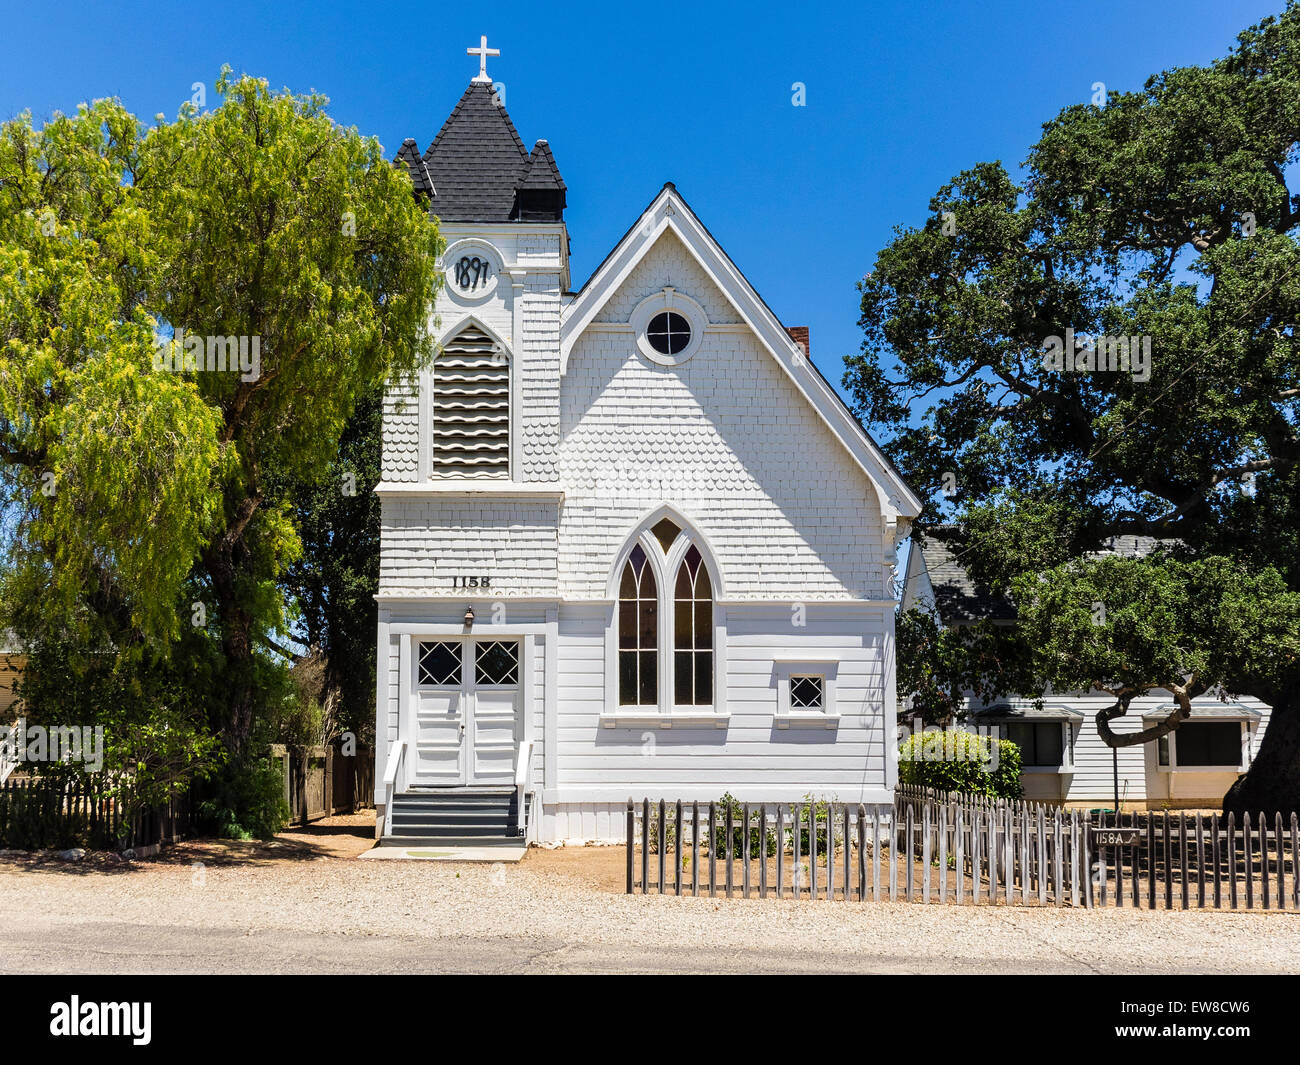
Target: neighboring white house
point(633, 543)
point(1064, 758)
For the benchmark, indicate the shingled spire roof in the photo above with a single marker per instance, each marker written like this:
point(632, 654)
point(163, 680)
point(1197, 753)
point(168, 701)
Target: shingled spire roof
point(541, 192)
point(408, 155)
point(477, 166)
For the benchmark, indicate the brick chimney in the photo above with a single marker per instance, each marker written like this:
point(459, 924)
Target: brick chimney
point(799, 334)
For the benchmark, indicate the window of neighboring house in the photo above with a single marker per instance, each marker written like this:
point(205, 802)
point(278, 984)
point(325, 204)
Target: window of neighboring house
point(471, 408)
point(1200, 744)
point(638, 633)
point(1041, 743)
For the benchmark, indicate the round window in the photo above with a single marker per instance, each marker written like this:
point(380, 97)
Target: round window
point(668, 333)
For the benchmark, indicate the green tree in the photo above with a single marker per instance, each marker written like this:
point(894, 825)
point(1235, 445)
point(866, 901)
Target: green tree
point(145, 508)
point(1130, 626)
point(332, 586)
point(938, 665)
point(1166, 215)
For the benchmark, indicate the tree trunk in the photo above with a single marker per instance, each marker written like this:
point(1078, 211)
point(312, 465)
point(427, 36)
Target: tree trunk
point(236, 641)
point(1273, 782)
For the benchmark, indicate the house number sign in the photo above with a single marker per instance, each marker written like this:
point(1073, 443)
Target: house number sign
point(473, 580)
point(1116, 837)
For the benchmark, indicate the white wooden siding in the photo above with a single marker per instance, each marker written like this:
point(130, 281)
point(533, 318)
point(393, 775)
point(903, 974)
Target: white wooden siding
point(751, 758)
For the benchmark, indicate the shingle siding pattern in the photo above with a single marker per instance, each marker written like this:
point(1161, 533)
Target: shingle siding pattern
point(401, 431)
point(669, 262)
point(424, 544)
point(725, 438)
point(539, 366)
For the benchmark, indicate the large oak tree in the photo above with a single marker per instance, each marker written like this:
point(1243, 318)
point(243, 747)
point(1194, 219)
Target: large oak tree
point(1164, 213)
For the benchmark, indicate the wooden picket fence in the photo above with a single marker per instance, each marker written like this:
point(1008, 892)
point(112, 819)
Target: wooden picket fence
point(952, 849)
point(60, 812)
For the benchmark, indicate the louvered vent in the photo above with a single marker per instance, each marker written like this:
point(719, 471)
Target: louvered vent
point(471, 408)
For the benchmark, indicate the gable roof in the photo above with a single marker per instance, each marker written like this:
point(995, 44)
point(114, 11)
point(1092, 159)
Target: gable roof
point(957, 597)
point(477, 164)
point(668, 211)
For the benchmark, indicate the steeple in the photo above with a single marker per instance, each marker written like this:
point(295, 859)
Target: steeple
point(478, 170)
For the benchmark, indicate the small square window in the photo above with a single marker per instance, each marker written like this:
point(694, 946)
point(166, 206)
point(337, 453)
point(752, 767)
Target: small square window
point(808, 692)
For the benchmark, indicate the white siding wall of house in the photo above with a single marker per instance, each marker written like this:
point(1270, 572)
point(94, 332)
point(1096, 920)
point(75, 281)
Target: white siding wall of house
point(598, 767)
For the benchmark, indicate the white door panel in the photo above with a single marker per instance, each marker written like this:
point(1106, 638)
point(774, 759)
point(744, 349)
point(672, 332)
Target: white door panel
point(464, 712)
point(439, 737)
point(495, 743)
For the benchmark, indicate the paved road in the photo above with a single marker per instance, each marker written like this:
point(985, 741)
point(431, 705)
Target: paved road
point(215, 908)
point(116, 948)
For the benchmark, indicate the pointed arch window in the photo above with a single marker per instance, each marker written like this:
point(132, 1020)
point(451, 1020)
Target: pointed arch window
point(664, 643)
point(693, 632)
point(638, 633)
point(471, 408)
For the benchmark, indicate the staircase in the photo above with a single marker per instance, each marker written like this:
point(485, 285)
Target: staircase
point(456, 816)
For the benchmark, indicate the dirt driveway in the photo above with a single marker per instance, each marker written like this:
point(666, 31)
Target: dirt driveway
point(303, 904)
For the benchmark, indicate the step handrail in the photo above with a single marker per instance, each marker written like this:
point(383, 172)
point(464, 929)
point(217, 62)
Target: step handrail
point(9, 755)
point(523, 774)
point(390, 782)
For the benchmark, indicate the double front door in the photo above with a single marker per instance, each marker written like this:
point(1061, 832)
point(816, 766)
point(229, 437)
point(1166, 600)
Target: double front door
point(464, 712)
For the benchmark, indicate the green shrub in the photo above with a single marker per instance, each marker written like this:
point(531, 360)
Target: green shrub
point(245, 800)
point(717, 839)
point(955, 760)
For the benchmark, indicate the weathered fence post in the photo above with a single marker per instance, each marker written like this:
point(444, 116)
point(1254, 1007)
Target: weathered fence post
point(678, 836)
point(713, 851)
point(631, 842)
point(862, 852)
point(695, 848)
point(780, 849)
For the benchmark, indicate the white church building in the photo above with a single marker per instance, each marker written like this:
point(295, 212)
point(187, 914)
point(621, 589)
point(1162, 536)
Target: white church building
point(633, 543)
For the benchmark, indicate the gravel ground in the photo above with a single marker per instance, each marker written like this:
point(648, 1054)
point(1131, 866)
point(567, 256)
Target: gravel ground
point(304, 904)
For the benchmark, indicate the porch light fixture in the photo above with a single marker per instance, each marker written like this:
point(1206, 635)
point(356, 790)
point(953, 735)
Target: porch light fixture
point(469, 617)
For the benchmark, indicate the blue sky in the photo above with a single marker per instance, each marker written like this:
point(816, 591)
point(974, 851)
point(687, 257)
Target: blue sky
point(900, 97)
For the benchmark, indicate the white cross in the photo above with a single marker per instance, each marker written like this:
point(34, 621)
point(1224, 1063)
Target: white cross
point(483, 51)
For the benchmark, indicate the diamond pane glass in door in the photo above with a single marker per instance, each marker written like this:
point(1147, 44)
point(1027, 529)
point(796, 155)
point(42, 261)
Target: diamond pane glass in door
point(440, 663)
point(496, 662)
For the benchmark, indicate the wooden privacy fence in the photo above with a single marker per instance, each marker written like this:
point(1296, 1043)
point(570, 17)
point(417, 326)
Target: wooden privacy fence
point(61, 812)
point(958, 849)
point(323, 781)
